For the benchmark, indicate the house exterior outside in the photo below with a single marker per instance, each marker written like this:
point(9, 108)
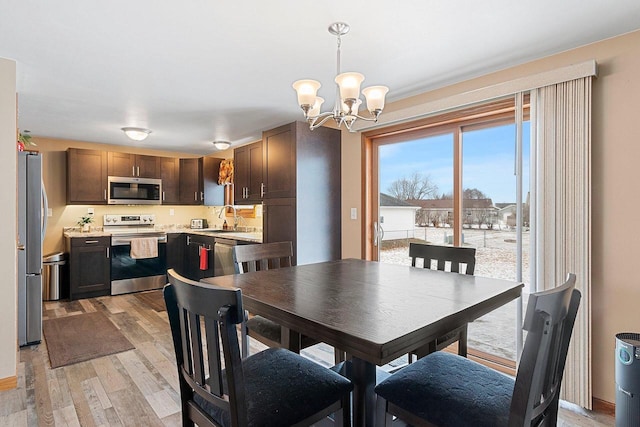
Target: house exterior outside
point(480, 213)
point(397, 218)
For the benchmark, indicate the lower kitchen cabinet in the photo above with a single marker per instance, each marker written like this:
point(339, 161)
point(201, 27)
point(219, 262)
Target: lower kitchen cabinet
point(192, 262)
point(89, 266)
point(176, 247)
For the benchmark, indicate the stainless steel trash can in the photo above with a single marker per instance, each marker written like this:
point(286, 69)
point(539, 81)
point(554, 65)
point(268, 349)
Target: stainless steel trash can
point(628, 380)
point(51, 275)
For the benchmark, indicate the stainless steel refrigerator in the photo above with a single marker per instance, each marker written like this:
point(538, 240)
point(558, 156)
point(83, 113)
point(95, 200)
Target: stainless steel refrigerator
point(32, 215)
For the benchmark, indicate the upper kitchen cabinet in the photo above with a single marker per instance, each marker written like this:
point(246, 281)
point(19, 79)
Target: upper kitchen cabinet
point(133, 165)
point(86, 177)
point(248, 174)
point(191, 181)
point(199, 182)
point(170, 175)
point(279, 162)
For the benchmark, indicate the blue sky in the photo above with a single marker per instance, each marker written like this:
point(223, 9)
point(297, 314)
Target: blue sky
point(488, 161)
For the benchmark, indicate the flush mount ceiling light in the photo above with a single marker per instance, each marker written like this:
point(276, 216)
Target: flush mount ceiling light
point(347, 102)
point(221, 145)
point(137, 134)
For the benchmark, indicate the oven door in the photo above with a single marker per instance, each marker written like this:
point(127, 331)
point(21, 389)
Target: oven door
point(131, 275)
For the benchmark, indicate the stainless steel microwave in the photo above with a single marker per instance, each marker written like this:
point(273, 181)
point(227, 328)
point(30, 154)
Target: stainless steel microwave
point(134, 191)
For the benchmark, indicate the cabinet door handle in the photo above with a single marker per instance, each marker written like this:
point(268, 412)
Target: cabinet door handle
point(90, 242)
point(262, 189)
point(202, 195)
point(105, 194)
point(195, 196)
point(108, 254)
point(138, 170)
point(163, 196)
point(133, 171)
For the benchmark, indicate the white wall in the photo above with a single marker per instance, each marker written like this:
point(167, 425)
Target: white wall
point(8, 231)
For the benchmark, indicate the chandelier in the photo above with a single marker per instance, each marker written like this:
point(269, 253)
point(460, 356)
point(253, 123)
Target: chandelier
point(345, 110)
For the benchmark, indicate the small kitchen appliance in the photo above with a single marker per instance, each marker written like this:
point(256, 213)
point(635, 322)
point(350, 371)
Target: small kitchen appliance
point(199, 223)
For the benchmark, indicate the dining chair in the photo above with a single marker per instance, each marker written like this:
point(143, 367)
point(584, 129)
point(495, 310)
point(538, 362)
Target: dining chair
point(275, 387)
point(267, 256)
point(455, 260)
point(444, 389)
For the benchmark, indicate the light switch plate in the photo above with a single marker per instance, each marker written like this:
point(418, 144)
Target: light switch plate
point(354, 213)
point(172, 212)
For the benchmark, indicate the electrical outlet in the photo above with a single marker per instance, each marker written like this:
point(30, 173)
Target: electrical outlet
point(354, 213)
point(90, 211)
point(172, 212)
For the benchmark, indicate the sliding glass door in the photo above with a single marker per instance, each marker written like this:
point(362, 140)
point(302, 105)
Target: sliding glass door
point(453, 183)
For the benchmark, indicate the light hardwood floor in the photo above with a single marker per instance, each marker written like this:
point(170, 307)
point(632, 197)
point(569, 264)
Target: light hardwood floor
point(134, 388)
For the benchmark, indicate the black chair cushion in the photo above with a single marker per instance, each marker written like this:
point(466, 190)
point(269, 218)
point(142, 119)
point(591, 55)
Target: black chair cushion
point(283, 388)
point(449, 390)
point(272, 331)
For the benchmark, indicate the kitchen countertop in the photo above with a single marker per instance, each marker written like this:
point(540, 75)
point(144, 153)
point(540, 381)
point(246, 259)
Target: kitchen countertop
point(252, 236)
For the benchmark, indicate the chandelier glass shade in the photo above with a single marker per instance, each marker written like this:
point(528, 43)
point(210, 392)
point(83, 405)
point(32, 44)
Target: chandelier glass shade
point(347, 104)
point(136, 134)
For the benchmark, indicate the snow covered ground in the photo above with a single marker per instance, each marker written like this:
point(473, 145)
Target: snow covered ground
point(494, 333)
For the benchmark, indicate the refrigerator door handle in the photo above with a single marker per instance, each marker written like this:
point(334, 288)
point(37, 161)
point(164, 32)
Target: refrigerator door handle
point(45, 211)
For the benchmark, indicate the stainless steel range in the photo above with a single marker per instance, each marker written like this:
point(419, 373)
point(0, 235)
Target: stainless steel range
point(133, 269)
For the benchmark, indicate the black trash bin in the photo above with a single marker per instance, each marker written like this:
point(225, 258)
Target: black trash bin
point(51, 276)
point(627, 380)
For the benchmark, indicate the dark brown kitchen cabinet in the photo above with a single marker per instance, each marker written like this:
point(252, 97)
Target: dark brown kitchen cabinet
point(176, 247)
point(199, 182)
point(86, 177)
point(279, 163)
point(89, 266)
point(248, 178)
point(133, 165)
point(302, 190)
point(192, 265)
point(170, 175)
point(191, 181)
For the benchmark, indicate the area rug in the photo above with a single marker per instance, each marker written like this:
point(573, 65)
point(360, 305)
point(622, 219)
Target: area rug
point(82, 337)
point(153, 299)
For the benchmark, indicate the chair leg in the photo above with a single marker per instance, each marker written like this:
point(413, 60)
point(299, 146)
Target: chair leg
point(462, 342)
point(244, 336)
point(383, 418)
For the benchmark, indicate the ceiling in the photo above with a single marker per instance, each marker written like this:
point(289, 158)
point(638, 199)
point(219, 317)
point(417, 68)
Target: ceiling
point(196, 71)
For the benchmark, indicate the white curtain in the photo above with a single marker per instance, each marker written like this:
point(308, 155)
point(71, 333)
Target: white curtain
point(561, 188)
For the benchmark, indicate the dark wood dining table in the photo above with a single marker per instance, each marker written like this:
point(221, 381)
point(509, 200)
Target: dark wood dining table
point(375, 312)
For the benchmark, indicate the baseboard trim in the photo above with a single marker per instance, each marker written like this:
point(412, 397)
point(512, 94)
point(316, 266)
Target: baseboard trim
point(8, 383)
point(604, 407)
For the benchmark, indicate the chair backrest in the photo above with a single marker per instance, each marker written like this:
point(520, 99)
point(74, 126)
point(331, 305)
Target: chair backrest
point(549, 323)
point(264, 256)
point(443, 254)
point(203, 320)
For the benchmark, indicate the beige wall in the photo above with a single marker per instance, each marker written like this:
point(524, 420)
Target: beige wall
point(63, 215)
point(8, 231)
point(616, 153)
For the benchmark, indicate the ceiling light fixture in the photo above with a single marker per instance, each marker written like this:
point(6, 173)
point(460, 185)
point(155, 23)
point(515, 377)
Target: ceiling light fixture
point(221, 145)
point(347, 102)
point(137, 134)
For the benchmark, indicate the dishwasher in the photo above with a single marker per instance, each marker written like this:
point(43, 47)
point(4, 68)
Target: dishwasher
point(223, 257)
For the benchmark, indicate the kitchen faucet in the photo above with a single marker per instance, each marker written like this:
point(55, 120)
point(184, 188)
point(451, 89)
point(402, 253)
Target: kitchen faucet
point(235, 214)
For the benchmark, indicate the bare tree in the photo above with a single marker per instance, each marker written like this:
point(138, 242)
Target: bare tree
point(417, 187)
point(473, 193)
